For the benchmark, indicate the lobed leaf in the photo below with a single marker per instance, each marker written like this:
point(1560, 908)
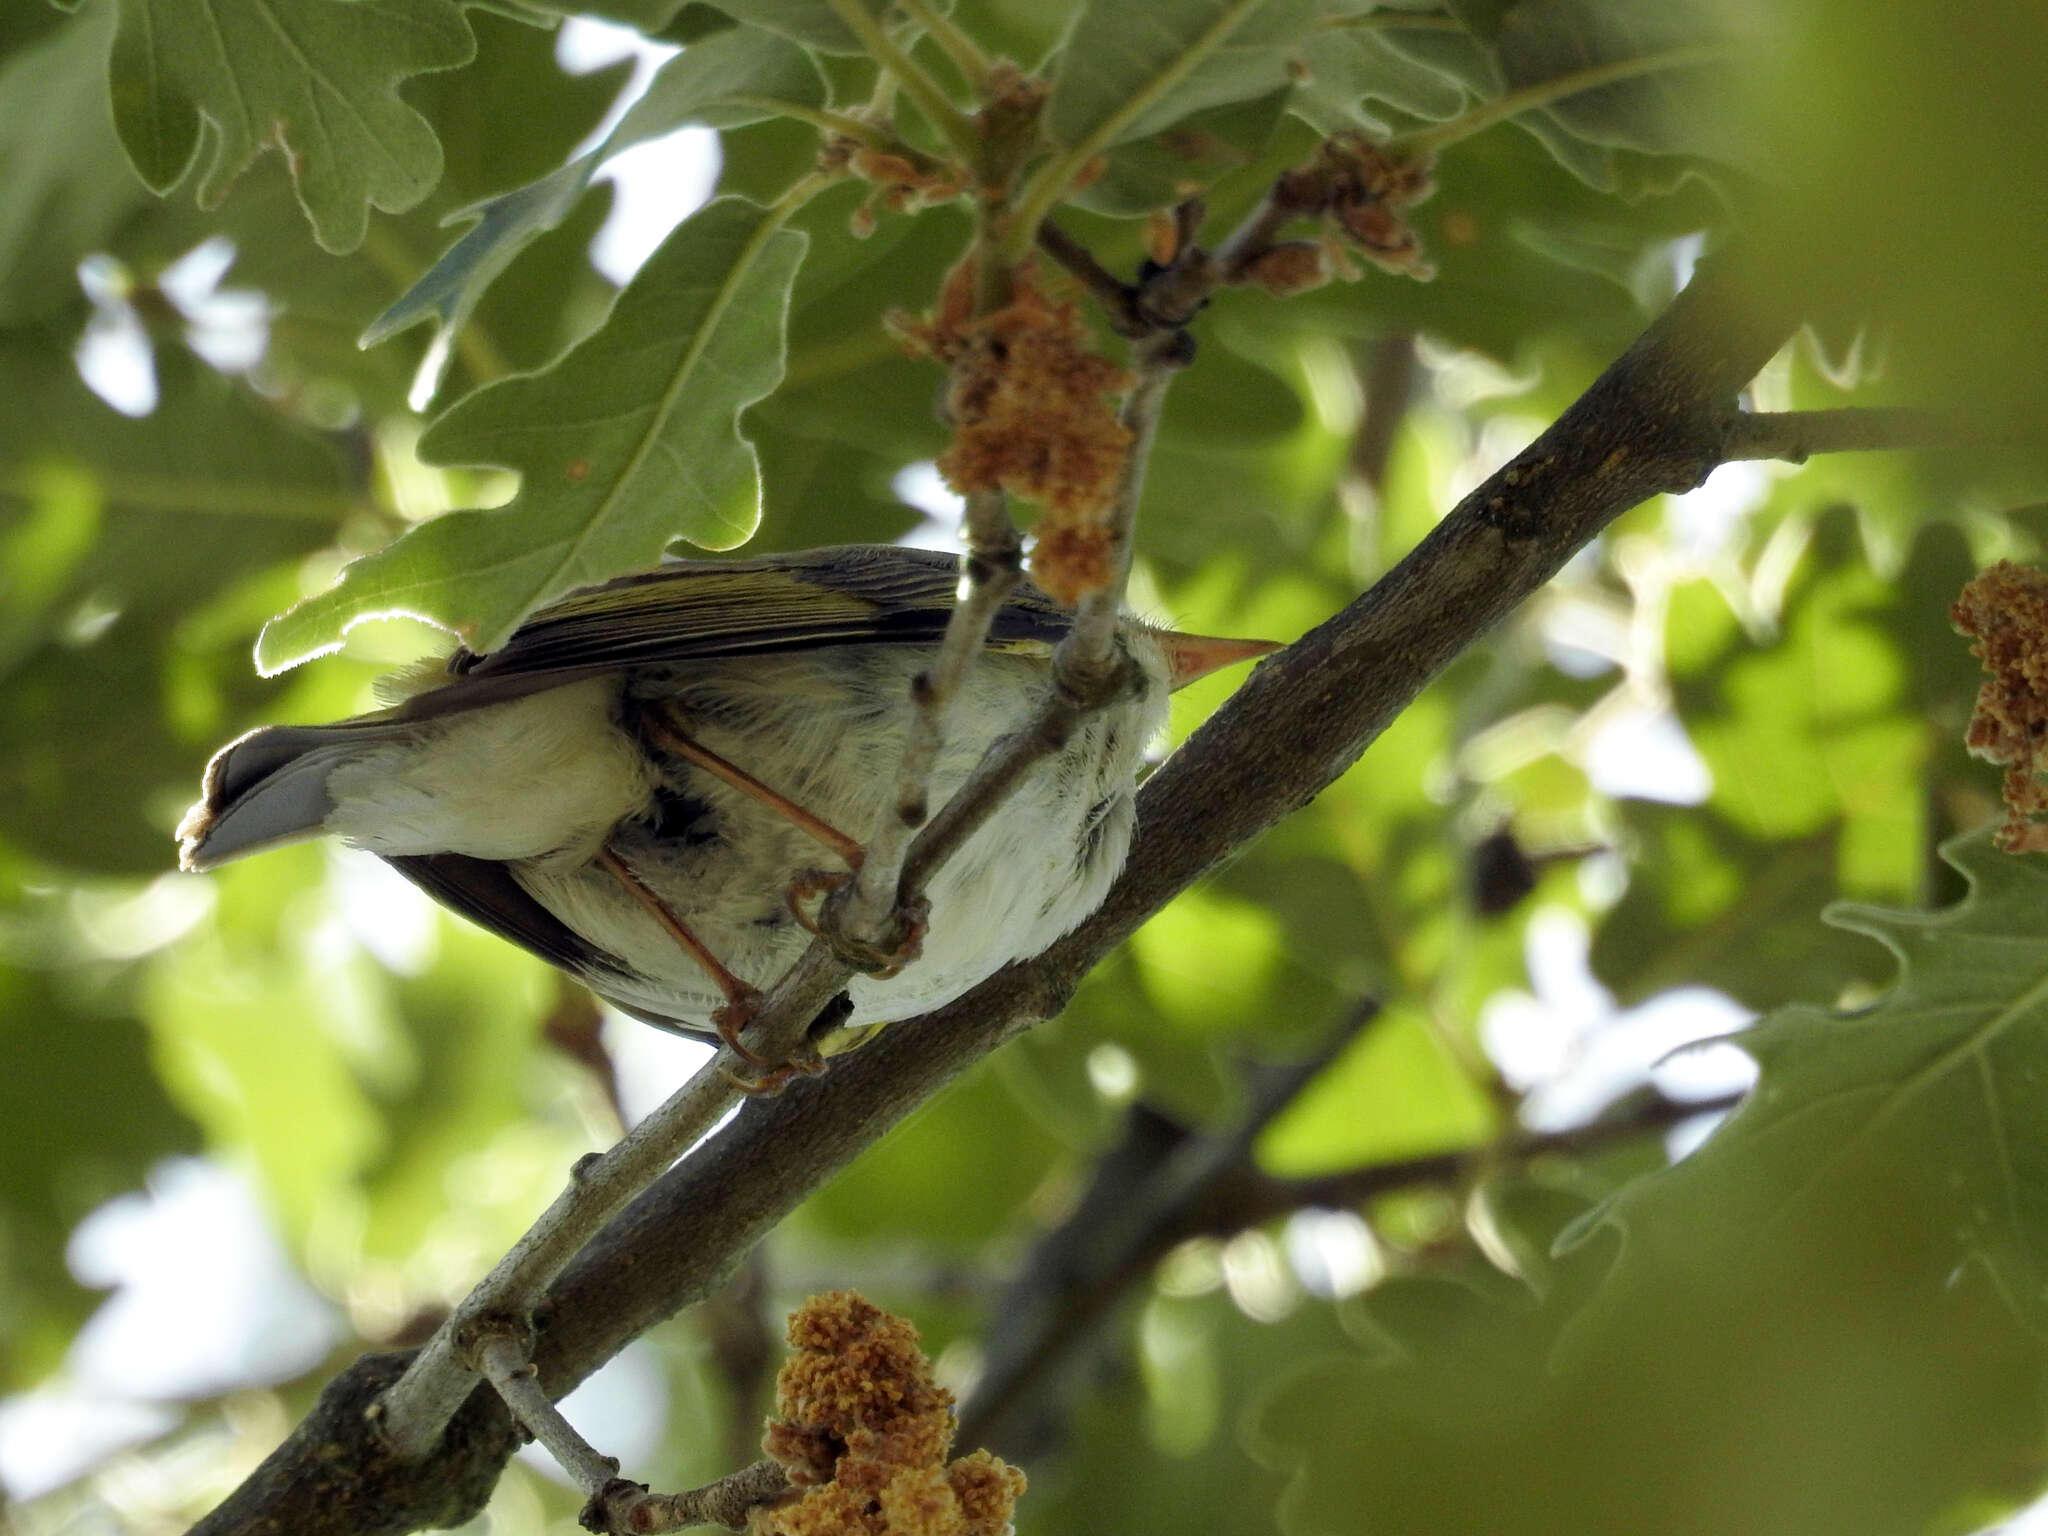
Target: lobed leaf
point(316, 79)
point(1129, 70)
point(724, 81)
point(1929, 1101)
point(627, 443)
point(814, 23)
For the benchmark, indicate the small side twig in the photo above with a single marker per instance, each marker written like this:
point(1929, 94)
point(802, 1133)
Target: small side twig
point(420, 1403)
point(623, 1506)
point(1118, 299)
point(1136, 1206)
point(1797, 435)
point(502, 1355)
point(1073, 1282)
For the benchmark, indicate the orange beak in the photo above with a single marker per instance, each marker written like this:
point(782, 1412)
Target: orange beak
point(1191, 656)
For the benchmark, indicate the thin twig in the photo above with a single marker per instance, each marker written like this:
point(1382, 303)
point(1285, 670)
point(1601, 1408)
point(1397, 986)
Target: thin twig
point(1086, 674)
point(502, 1356)
point(416, 1409)
point(1795, 435)
point(1138, 1191)
point(1117, 298)
point(1387, 367)
point(993, 571)
point(1268, 1197)
point(1197, 1186)
point(628, 1507)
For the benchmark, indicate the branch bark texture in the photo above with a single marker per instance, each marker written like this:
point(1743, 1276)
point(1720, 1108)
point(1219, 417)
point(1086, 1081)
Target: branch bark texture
point(1655, 421)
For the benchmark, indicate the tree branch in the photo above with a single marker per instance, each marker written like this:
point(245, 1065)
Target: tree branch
point(1652, 422)
point(624, 1506)
point(1079, 1272)
point(1135, 1207)
point(1796, 435)
point(502, 1359)
point(440, 1378)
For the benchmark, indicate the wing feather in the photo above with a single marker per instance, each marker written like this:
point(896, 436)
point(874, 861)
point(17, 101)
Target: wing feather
point(859, 594)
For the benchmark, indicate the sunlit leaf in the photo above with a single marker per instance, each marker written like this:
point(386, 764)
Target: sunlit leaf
point(605, 488)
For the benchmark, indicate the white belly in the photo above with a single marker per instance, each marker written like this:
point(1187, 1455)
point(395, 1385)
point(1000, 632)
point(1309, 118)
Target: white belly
point(1038, 866)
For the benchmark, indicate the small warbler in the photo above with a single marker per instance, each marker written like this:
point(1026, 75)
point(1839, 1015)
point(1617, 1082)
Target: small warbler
point(631, 786)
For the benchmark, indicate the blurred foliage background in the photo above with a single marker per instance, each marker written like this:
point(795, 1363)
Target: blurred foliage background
point(252, 1123)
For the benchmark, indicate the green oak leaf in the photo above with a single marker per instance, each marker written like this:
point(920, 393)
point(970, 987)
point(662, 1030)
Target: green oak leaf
point(726, 81)
point(628, 442)
point(1344, 68)
point(505, 225)
point(814, 23)
point(1131, 70)
point(1929, 1101)
point(316, 79)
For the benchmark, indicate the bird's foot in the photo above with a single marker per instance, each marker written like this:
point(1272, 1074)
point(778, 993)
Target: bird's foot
point(813, 889)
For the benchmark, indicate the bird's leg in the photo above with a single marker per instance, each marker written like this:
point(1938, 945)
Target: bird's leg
point(741, 1000)
point(675, 743)
point(810, 885)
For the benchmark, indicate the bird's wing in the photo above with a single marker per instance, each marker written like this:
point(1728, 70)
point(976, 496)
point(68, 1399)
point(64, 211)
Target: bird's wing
point(695, 608)
point(485, 892)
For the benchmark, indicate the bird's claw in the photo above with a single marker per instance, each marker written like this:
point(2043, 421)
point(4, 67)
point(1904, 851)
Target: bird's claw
point(731, 1020)
point(807, 896)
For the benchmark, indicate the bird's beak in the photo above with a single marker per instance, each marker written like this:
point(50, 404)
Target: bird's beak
point(1191, 656)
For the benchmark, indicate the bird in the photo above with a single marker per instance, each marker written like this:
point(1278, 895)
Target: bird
point(632, 786)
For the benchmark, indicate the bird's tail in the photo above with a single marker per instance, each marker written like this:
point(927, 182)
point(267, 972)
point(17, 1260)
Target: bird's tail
point(267, 788)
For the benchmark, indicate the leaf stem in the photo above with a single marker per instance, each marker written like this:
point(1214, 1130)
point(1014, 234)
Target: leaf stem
point(954, 124)
point(1045, 189)
point(966, 55)
point(822, 118)
point(1544, 92)
point(1392, 21)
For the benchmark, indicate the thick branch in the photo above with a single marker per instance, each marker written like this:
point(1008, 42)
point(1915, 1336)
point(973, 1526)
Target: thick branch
point(1651, 423)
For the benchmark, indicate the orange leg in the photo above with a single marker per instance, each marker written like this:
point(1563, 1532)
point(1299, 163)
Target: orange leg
point(675, 742)
point(740, 999)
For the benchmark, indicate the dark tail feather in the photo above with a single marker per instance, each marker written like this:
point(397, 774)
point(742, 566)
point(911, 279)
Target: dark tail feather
point(268, 788)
